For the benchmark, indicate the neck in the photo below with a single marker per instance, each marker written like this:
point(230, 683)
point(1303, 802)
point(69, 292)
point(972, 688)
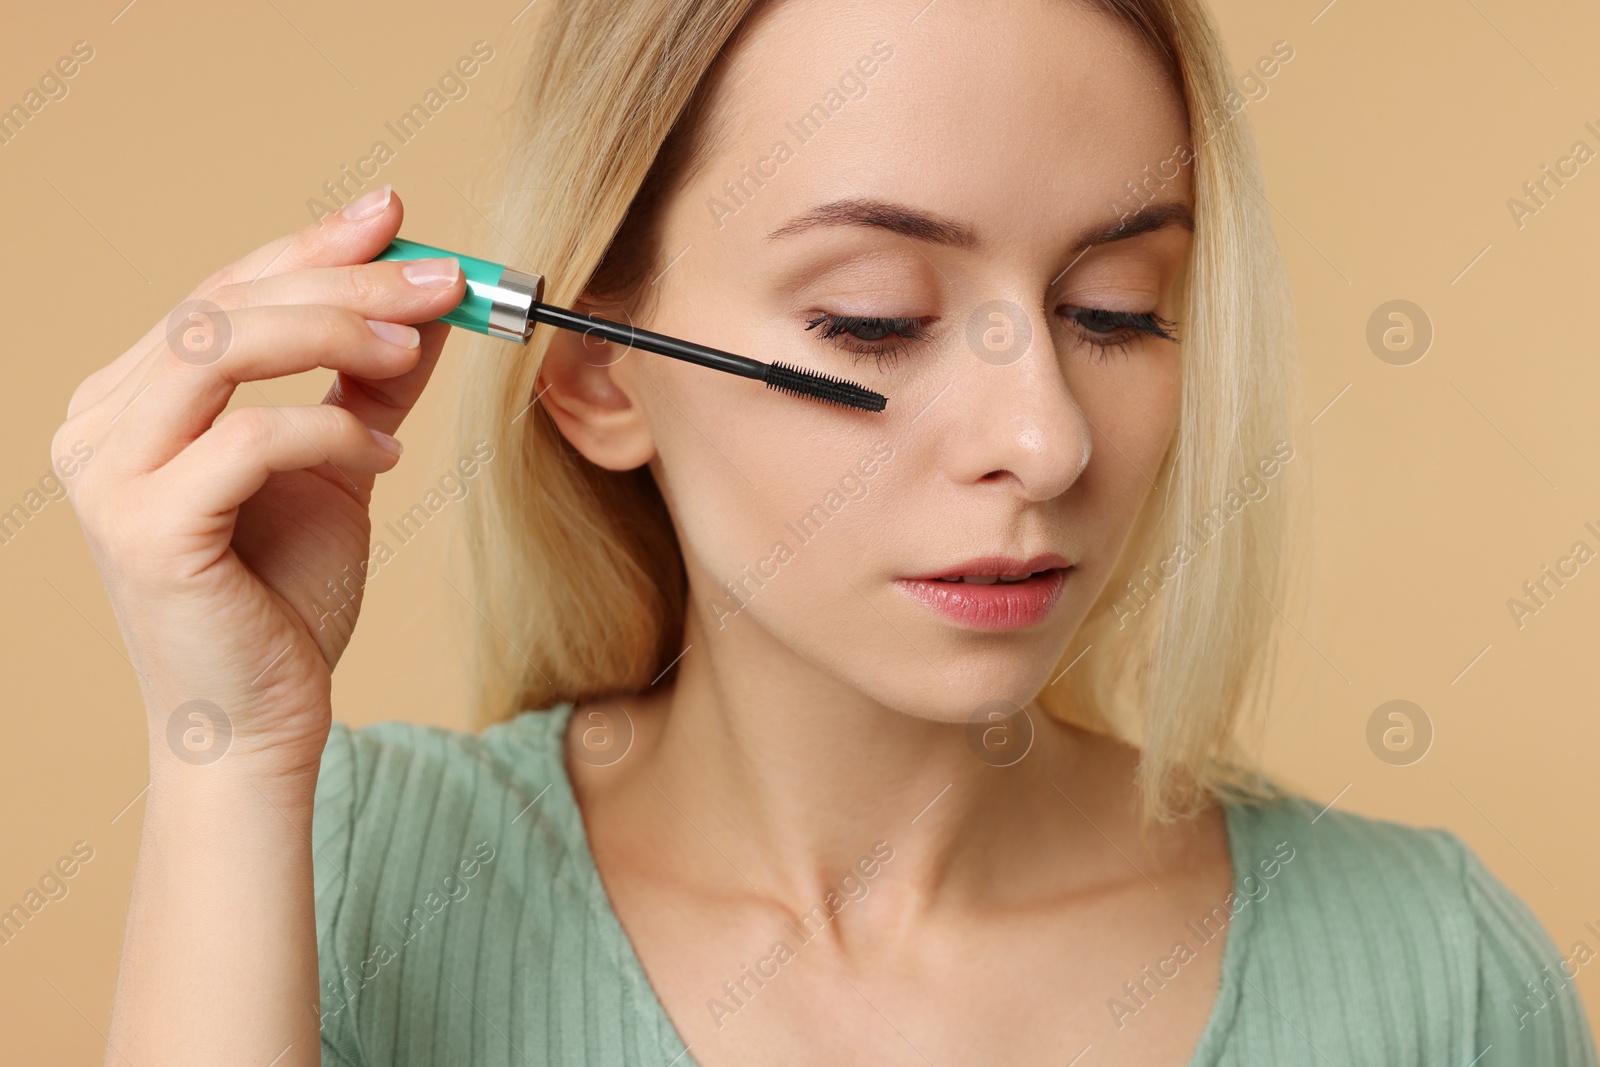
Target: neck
point(796, 778)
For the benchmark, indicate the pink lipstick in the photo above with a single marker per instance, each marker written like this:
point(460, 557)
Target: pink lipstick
point(995, 593)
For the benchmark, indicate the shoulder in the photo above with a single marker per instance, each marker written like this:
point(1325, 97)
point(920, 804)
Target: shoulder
point(1401, 929)
point(1323, 842)
point(408, 761)
point(426, 840)
point(391, 786)
point(396, 792)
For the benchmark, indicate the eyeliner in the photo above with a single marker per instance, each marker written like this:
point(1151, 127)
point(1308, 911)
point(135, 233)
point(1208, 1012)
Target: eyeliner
point(507, 303)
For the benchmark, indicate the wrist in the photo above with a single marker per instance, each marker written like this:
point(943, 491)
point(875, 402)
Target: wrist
point(228, 792)
point(206, 758)
point(271, 736)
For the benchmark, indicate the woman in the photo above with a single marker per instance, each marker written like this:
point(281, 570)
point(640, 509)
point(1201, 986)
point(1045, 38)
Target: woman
point(807, 730)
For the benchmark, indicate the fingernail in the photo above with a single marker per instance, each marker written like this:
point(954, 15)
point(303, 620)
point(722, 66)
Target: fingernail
point(365, 206)
point(432, 273)
point(385, 442)
point(395, 333)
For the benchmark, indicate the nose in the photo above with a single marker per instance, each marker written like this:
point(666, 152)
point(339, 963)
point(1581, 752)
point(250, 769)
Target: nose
point(1014, 420)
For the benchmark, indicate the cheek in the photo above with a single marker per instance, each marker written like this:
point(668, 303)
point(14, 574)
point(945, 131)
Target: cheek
point(1133, 402)
point(769, 492)
point(1134, 406)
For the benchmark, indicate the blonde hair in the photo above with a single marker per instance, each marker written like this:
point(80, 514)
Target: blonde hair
point(578, 580)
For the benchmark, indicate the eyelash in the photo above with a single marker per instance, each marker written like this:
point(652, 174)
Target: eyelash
point(907, 330)
point(1128, 325)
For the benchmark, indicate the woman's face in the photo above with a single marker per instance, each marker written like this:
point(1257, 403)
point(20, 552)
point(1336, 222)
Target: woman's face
point(957, 168)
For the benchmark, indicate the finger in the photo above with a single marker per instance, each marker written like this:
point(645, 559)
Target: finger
point(227, 464)
point(117, 375)
point(183, 397)
point(343, 238)
point(384, 403)
point(416, 290)
point(356, 233)
point(390, 291)
point(387, 291)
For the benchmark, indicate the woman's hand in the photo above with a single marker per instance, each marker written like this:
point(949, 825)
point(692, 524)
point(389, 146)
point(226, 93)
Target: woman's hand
point(218, 538)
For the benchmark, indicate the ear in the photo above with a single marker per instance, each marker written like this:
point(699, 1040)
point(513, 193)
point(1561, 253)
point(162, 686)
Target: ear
point(587, 385)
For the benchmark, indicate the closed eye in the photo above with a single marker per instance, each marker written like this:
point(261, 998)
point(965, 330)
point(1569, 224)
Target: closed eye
point(886, 338)
point(883, 337)
point(1105, 330)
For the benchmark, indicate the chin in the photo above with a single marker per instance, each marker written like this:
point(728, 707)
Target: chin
point(971, 689)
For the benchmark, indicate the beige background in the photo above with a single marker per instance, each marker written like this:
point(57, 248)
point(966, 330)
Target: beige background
point(1391, 142)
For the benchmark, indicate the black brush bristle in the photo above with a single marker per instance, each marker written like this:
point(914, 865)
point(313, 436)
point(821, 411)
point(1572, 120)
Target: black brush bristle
point(799, 382)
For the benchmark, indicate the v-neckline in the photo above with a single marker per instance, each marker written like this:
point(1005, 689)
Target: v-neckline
point(1208, 1048)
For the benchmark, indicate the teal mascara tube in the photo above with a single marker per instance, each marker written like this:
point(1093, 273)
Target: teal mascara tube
point(499, 300)
point(507, 303)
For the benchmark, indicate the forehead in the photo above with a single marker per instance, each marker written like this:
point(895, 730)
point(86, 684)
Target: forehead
point(1026, 117)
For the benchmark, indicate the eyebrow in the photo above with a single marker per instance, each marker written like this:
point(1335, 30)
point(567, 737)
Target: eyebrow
point(935, 229)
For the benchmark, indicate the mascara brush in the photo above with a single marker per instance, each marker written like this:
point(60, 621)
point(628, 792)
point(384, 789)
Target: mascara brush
point(506, 303)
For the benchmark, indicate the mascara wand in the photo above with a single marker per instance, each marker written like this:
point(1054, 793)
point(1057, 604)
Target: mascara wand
point(506, 303)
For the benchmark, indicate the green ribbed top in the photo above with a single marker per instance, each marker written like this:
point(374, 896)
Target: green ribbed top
point(461, 920)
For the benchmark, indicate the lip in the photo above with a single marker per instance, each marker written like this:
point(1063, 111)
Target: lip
point(996, 607)
point(999, 565)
